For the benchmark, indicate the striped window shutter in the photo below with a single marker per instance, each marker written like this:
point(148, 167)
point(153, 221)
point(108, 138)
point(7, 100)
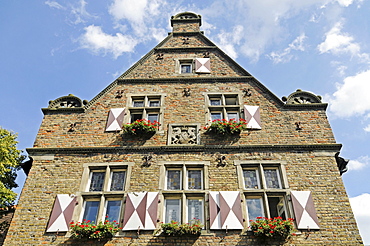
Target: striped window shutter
point(202, 65)
point(252, 117)
point(304, 210)
point(61, 214)
point(140, 211)
point(225, 210)
point(115, 119)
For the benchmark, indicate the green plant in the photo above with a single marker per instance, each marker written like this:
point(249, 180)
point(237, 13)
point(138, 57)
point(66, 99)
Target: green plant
point(140, 127)
point(87, 229)
point(226, 127)
point(194, 227)
point(276, 228)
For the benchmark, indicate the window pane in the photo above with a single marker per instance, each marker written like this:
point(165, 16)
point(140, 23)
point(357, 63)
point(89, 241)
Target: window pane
point(97, 181)
point(152, 117)
point(255, 208)
point(194, 179)
point(118, 180)
point(173, 179)
point(185, 68)
point(230, 101)
point(215, 101)
point(154, 103)
point(272, 178)
point(113, 210)
point(173, 212)
point(138, 103)
point(195, 210)
point(216, 116)
point(91, 210)
point(276, 207)
point(135, 117)
point(251, 180)
point(233, 115)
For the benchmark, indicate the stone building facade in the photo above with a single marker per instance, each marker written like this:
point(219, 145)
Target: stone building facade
point(284, 164)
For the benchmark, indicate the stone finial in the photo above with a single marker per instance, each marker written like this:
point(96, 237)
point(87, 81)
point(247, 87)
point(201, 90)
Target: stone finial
point(186, 22)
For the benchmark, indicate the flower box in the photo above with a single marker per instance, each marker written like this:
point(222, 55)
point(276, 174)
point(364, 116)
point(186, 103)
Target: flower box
point(193, 228)
point(275, 228)
point(89, 230)
point(226, 127)
point(141, 127)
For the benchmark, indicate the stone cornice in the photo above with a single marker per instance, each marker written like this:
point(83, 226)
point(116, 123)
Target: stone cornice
point(192, 148)
point(199, 48)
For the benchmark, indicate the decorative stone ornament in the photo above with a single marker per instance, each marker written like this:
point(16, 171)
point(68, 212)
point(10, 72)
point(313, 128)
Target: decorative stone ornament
point(186, 134)
point(302, 97)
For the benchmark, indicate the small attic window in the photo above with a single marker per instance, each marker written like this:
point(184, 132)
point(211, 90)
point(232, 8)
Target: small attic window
point(186, 67)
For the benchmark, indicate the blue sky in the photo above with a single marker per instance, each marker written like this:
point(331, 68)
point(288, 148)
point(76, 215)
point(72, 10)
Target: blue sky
point(51, 49)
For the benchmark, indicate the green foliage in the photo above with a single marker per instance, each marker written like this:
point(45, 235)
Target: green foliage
point(194, 227)
point(90, 230)
point(141, 127)
point(276, 228)
point(226, 127)
point(10, 158)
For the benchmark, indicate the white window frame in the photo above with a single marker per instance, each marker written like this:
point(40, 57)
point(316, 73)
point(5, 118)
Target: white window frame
point(224, 109)
point(263, 192)
point(184, 194)
point(106, 194)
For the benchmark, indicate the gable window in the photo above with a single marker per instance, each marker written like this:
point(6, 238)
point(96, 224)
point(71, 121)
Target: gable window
point(265, 189)
point(223, 106)
point(103, 188)
point(148, 107)
point(184, 185)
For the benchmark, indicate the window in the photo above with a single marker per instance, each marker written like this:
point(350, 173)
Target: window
point(103, 188)
point(186, 66)
point(265, 189)
point(147, 107)
point(184, 185)
point(223, 106)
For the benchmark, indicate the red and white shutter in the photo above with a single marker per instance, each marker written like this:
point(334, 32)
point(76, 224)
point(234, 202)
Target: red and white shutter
point(225, 210)
point(202, 65)
point(304, 210)
point(115, 119)
point(61, 214)
point(141, 211)
point(252, 117)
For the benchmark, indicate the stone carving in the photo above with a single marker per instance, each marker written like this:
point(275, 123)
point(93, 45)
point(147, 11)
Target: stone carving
point(183, 134)
point(302, 97)
point(69, 101)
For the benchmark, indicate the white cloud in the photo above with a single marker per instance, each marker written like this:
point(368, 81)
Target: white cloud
point(99, 42)
point(360, 207)
point(286, 56)
point(339, 43)
point(359, 164)
point(264, 22)
point(351, 97)
point(80, 13)
point(367, 129)
point(345, 3)
point(228, 40)
point(139, 13)
point(54, 4)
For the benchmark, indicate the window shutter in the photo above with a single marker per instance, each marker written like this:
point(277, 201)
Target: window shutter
point(140, 211)
point(61, 214)
point(225, 210)
point(304, 210)
point(252, 117)
point(115, 119)
point(202, 65)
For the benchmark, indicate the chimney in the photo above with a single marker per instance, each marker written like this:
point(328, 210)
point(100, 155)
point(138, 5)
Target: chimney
point(186, 22)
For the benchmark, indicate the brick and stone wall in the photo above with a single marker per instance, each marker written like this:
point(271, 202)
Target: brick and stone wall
point(308, 153)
